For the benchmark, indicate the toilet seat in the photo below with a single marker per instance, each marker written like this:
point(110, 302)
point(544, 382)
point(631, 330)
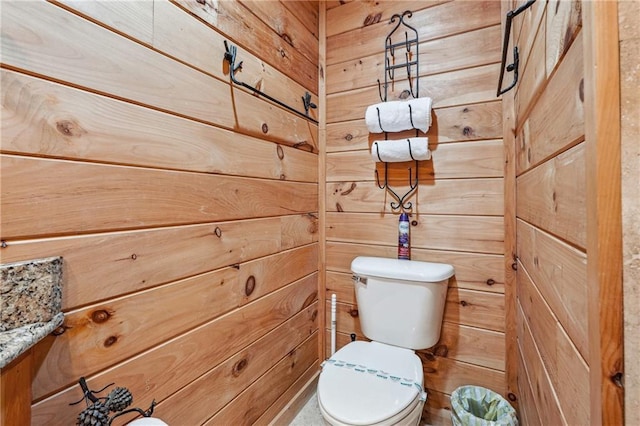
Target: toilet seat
point(367, 383)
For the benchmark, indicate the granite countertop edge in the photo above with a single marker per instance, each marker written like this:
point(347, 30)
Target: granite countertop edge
point(14, 343)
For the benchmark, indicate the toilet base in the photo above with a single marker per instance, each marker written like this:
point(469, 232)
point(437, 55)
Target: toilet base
point(410, 416)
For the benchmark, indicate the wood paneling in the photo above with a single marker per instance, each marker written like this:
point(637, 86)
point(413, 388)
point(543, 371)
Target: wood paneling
point(473, 85)
point(88, 197)
point(553, 196)
point(528, 412)
point(233, 19)
point(185, 208)
point(459, 205)
point(170, 366)
point(353, 15)
point(445, 375)
point(256, 399)
point(112, 66)
point(560, 272)
point(145, 319)
point(322, 170)
point(604, 216)
point(465, 50)
point(287, 407)
point(82, 126)
point(564, 19)
point(15, 391)
point(568, 232)
point(136, 260)
point(440, 196)
point(93, 57)
point(534, 76)
point(470, 344)
point(475, 308)
point(544, 397)
point(437, 409)
point(369, 40)
point(222, 384)
point(557, 119)
point(629, 34)
point(465, 233)
point(476, 271)
point(512, 370)
point(453, 124)
point(449, 161)
point(307, 11)
point(277, 17)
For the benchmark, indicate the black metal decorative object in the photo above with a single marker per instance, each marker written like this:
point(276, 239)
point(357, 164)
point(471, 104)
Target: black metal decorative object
point(390, 64)
point(513, 67)
point(408, 50)
point(412, 185)
point(230, 56)
point(97, 412)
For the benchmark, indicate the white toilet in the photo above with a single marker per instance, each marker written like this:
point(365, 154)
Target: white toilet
point(400, 305)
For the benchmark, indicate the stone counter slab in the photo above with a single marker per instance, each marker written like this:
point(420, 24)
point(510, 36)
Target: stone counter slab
point(30, 292)
point(14, 343)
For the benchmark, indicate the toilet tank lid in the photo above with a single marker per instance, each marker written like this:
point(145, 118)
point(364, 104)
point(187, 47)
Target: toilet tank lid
point(400, 269)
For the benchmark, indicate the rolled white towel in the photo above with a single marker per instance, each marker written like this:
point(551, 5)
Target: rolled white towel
point(396, 116)
point(396, 151)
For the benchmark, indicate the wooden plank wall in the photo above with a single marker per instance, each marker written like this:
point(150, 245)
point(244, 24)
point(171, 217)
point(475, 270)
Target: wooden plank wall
point(548, 145)
point(630, 132)
point(458, 210)
point(185, 208)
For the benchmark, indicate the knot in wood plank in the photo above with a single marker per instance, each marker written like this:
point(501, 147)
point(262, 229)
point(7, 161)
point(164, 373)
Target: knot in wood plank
point(249, 285)
point(100, 316)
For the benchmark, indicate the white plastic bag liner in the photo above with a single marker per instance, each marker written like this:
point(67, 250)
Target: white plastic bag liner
point(478, 406)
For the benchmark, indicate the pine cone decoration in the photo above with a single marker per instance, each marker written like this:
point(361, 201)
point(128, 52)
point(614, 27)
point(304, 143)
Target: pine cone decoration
point(96, 414)
point(119, 399)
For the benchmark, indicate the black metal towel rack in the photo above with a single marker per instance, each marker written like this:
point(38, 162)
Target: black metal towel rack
point(513, 67)
point(389, 54)
point(411, 58)
point(230, 56)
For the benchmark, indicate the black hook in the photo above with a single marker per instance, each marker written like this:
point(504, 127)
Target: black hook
point(380, 91)
point(306, 100)
point(390, 70)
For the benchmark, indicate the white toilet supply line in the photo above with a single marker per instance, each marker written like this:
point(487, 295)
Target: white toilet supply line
point(333, 324)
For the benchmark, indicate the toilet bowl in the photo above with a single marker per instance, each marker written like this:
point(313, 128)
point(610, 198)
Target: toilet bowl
point(400, 305)
point(371, 383)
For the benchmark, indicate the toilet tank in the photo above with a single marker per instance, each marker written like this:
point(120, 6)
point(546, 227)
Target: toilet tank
point(401, 302)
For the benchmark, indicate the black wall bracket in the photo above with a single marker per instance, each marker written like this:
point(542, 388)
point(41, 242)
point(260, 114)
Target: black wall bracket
point(230, 56)
point(513, 67)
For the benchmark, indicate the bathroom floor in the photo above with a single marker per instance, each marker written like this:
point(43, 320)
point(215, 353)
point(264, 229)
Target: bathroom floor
point(309, 415)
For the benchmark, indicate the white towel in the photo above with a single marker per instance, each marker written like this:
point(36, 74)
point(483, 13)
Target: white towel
point(395, 151)
point(396, 116)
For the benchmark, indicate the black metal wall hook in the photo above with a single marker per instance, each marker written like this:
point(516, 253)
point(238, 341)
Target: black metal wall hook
point(390, 65)
point(513, 67)
point(230, 56)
